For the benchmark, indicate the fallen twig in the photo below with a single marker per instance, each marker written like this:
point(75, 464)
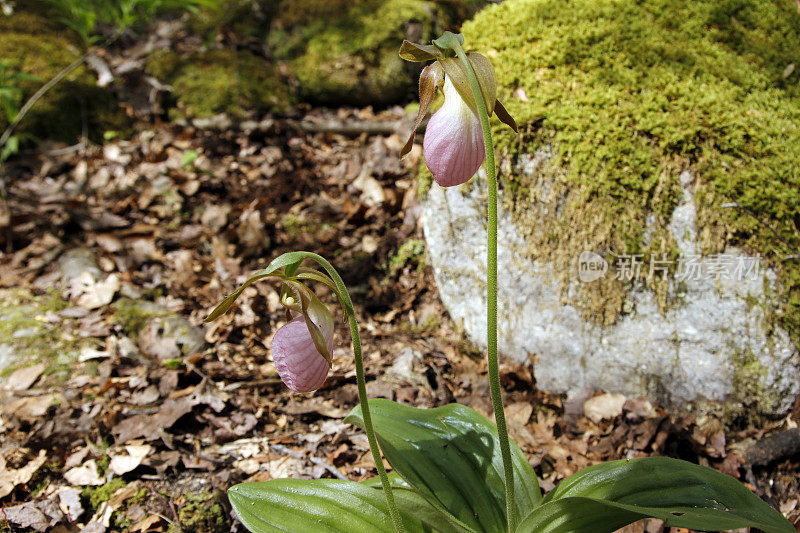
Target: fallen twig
point(773, 448)
point(354, 127)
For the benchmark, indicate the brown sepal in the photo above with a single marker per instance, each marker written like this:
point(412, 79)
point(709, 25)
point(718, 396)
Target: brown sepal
point(429, 79)
point(504, 116)
point(418, 53)
point(484, 72)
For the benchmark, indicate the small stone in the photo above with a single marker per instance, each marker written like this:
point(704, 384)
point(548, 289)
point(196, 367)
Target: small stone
point(170, 337)
point(215, 216)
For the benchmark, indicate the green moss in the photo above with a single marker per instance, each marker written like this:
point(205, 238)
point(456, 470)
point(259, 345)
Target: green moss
point(430, 326)
point(133, 315)
point(102, 464)
point(33, 338)
point(348, 52)
point(749, 391)
point(38, 46)
point(626, 94)
point(221, 81)
point(424, 179)
point(244, 19)
point(97, 495)
point(411, 251)
point(340, 51)
point(294, 225)
point(202, 513)
point(43, 478)
point(173, 364)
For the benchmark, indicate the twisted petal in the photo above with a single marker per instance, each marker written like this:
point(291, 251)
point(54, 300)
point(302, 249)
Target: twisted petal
point(453, 143)
point(297, 360)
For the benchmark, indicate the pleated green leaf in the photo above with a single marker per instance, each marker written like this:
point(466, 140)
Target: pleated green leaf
point(605, 497)
point(329, 505)
point(451, 455)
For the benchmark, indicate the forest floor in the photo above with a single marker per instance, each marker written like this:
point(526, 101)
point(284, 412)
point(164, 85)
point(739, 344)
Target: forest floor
point(121, 410)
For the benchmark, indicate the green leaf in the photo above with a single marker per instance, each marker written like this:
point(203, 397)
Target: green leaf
point(329, 505)
point(189, 157)
point(290, 260)
point(418, 53)
point(10, 148)
point(226, 304)
point(605, 497)
point(451, 455)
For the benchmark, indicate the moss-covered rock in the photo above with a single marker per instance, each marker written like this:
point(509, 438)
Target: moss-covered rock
point(221, 81)
point(242, 19)
point(339, 51)
point(345, 52)
point(37, 45)
point(27, 337)
point(627, 95)
point(159, 332)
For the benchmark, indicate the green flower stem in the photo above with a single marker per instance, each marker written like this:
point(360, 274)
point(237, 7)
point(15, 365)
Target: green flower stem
point(491, 284)
point(362, 388)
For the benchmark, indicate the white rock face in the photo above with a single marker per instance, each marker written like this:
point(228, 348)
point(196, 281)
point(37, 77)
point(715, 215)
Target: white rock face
point(696, 350)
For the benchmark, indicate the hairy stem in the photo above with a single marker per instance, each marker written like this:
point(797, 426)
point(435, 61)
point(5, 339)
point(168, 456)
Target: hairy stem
point(491, 284)
point(362, 389)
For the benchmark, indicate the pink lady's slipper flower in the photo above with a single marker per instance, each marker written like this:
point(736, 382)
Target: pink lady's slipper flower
point(298, 360)
point(302, 348)
point(453, 145)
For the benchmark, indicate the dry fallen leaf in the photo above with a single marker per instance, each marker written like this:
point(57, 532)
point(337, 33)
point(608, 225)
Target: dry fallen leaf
point(10, 478)
point(122, 464)
point(519, 413)
point(101, 519)
point(69, 501)
point(95, 294)
point(123, 493)
point(145, 524)
point(23, 378)
point(603, 407)
point(153, 426)
point(86, 474)
point(30, 408)
point(26, 515)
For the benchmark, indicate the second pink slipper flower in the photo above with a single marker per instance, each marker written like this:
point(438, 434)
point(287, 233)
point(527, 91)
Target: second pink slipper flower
point(298, 361)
